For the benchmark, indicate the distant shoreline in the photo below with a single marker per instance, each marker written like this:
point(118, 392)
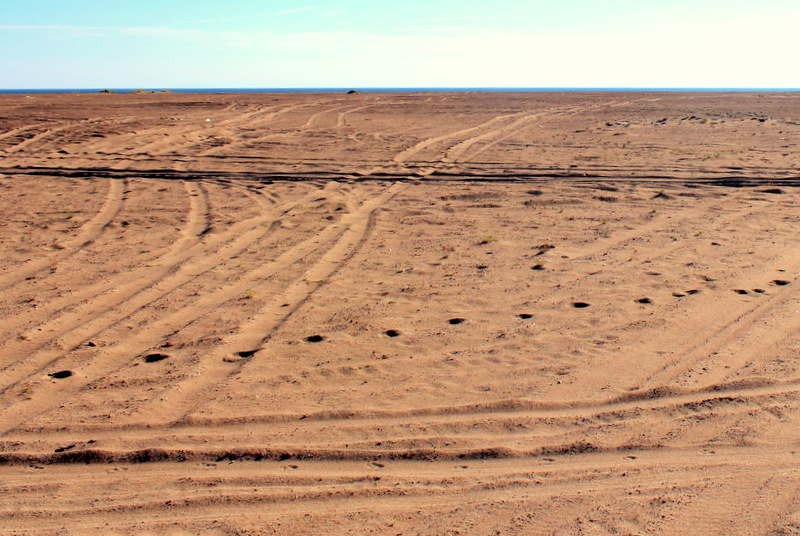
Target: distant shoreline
point(415, 90)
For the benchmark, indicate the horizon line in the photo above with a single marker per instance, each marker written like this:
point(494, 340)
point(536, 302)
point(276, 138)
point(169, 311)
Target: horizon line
point(399, 89)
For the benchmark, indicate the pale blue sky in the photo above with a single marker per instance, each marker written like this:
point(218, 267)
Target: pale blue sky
point(389, 43)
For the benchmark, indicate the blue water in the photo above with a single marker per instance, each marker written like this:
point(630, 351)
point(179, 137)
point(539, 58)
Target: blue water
point(416, 90)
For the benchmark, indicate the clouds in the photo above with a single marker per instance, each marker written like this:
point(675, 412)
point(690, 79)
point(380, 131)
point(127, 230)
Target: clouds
point(325, 11)
point(444, 51)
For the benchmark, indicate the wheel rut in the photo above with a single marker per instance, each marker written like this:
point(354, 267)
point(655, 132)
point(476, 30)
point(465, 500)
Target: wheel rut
point(226, 360)
point(110, 358)
point(88, 233)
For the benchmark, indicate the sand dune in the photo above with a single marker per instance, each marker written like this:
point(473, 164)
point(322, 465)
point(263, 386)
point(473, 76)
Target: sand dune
point(399, 314)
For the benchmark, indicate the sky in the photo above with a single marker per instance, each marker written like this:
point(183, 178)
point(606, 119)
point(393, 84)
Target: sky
point(393, 43)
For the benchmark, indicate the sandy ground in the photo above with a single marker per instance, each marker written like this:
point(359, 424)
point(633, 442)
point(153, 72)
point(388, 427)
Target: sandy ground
point(400, 314)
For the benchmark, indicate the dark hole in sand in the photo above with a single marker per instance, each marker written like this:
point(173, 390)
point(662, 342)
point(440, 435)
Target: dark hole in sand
point(537, 266)
point(678, 295)
point(525, 316)
point(772, 191)
point(152, 358)
point(61, 374)
point(392, 333)
point(247, 353)
point(644, 300)
point(455, 321)
point(580, 305)
point(740, 291)
point(759, 290)
point(482, 267)
point(315, 338)
point(692, 291)
point(780, 282)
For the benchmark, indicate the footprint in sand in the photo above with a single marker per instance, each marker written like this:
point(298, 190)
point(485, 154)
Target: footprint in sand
point(683, 295)
point(153, 358)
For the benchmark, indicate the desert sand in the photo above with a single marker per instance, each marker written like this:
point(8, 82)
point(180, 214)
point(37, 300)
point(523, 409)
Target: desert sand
point(433, 313)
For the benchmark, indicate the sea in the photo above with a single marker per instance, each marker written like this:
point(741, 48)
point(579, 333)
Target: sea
point(411, 90)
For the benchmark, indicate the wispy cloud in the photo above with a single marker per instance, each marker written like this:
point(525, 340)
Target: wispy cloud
point(321, 11)
point(294, 10)
point(461, 19)
point(432, 56)
point(435, 29)
point(43, 27)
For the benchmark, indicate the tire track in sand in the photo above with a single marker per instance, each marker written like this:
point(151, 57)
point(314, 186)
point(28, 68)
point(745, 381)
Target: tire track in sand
point(88, 233)
point(736, 330)
point(517, 124)
point(454, 153)
point(139, 291)
point(552, 494)
point(406, 154)
point(458, 151)
point(623, 406)
point(110, 358)
point(21, 132)
point(110, 292)
point(313, 121)
point(227, 359)
point(256, 120)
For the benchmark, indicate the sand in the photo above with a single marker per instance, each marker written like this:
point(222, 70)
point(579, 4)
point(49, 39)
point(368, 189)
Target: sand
point(399, 314)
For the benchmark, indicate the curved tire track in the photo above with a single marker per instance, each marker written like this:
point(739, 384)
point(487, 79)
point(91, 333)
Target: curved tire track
point(109, 359)
point(88, 233)
point(224, 362)
point(139, 290)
